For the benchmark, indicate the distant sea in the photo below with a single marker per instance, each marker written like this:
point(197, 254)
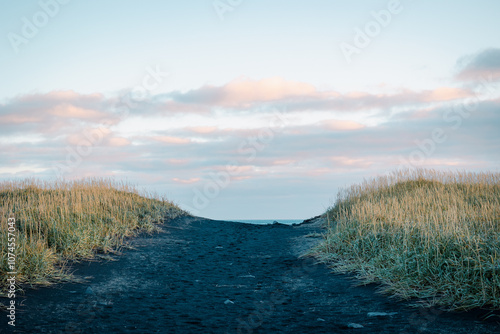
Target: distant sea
point(269, 221)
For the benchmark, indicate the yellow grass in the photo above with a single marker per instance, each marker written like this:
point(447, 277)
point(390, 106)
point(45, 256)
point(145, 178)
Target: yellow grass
point(422, 233)
point(61, 221)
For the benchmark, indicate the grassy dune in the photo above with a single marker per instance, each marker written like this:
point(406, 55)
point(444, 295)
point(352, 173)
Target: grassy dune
point(425, 234)
point(61, 221)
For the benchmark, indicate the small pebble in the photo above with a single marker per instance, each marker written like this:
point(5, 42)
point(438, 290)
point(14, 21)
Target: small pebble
point(381, 314)
point(354, 325)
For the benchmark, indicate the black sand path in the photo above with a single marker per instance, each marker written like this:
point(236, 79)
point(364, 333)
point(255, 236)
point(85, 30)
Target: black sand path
point(204, 276)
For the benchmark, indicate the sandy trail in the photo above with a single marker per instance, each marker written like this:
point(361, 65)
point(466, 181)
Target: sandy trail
point(204, 276)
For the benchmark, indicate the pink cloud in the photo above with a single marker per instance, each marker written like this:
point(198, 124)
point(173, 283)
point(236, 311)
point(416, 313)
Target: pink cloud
point(96, 137)
point(300, 96)
point(283, 162)
point(445, 94)
point(55, 111)
point(70, 111)
point(338, 125)
point(88, 136)
point(19, 119)
point(187, 181)
point(63, 95)
point(203, 129)
point(172, 140)
point(118, 141)
point(245, 91)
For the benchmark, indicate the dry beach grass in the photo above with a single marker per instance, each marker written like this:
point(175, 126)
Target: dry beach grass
point(422, 233)
point(197, 275)
point(59, 221)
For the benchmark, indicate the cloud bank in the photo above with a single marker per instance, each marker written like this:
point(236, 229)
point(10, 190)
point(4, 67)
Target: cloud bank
point(271, 135)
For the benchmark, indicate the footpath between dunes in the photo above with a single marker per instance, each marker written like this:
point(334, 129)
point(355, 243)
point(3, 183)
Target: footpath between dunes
point(204, 276)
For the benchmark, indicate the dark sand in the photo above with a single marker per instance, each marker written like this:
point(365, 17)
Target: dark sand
point(204, 276)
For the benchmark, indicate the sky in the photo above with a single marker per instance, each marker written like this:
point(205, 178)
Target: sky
point(239, 109)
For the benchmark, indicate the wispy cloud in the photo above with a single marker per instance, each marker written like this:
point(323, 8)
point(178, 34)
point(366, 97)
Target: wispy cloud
point(180, 140)
point(484, 64)
point(245, 94)
point(54, 112)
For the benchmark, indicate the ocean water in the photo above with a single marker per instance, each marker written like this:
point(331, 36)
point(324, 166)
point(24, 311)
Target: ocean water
point(269, 221)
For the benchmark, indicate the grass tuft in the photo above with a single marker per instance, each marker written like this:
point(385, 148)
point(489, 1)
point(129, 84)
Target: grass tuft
point(72, 220)
point(421, 233)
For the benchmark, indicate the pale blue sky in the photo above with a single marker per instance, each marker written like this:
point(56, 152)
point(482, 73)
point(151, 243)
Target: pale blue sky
point(222, 73)
point(96, 46)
